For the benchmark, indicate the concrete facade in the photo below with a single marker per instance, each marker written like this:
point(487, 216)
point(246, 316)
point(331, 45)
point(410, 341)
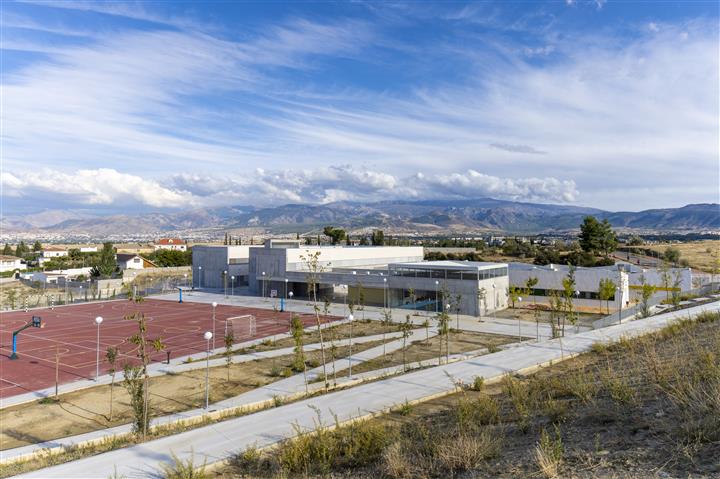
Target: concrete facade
point(214, 266)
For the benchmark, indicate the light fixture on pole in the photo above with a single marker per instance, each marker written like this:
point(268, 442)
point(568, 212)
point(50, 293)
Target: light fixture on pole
point(98, 321)
point(200, 277)
point(385, 301)
point(186, 281)
point(519, 333)
point(232, 285)
point(214, 305)
point(263, 284)
point(437, 284)
point(208, 336)
point(290, 295)
point(225, 282)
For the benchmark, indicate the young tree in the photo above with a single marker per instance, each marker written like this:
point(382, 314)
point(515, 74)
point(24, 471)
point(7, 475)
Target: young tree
point(568, 292)
point(406, 329)
point(314, 268)
point(111, 355)
point(426, 324)
point(297, 331)
point(530, 287)
point(229, 339)
point(37, 247)
point(7, 251)
point(606, 290)
point(677, 282)
point(646, 292)
point(137, 379)
point(443, 319)
point(513, 295)
point(333, 347)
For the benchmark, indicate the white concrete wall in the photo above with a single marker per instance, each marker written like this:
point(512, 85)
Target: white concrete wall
point(342, 257)
point(586, 280)
point(6, 265)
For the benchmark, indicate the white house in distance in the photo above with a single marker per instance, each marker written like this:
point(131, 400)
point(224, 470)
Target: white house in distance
point(133, 261)
point(54, 252)
point(11, 263)
point(174, 244)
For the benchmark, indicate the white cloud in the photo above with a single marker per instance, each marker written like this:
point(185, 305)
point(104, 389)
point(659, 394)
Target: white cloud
point(102, 186)
point(265, 188)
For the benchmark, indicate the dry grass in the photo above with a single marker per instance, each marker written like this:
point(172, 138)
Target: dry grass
point(702, 255)
point(88, 409)
point(630, 409)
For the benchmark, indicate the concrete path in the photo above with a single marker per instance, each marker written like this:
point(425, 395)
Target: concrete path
point(284, 389)
point(218, 441)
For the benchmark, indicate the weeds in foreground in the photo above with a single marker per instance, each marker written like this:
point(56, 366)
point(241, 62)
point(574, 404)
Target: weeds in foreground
point(180, 469)
point(549, 453)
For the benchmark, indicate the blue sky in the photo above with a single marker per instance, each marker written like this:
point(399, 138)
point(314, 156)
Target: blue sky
point(153, 105)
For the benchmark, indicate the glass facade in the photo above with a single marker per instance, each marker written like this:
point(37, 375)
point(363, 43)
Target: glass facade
point(449, 273)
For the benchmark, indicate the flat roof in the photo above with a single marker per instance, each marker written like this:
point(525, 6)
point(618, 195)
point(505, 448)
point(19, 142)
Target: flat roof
point(463, 265)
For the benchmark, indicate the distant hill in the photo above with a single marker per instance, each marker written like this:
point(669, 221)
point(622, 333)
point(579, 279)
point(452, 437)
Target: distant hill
point(428, 216)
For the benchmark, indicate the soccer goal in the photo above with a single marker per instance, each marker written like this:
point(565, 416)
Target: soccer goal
point(241, 327)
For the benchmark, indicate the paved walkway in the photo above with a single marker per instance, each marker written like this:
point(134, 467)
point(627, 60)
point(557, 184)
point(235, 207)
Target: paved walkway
point(284, 389)
point(218, 441)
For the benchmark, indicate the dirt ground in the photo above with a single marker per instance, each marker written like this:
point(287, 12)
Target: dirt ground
point(703, 255)
point(644, 408)
point(528, 314)
point(341, 331)
point(89, 409)
point(426, 349)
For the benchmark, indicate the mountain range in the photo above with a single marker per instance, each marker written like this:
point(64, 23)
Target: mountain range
point(476, 215)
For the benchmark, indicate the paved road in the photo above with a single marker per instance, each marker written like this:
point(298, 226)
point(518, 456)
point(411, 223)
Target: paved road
point(221, 440)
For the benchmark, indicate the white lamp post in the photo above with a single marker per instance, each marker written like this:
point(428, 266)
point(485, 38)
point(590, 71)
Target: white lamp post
point(617, 292)
point(437, 284)
point(286, 291)
point(350, 318)
point(385, 301)
point(232, 285)
point(208, 336)
point(200, 277)
point(263, 284)
point(519, 334)
point(98, 321)
point(214, 305)
point(225, 282)
point(186, 281)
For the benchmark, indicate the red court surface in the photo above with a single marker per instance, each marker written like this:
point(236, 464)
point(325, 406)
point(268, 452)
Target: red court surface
point(71, 330)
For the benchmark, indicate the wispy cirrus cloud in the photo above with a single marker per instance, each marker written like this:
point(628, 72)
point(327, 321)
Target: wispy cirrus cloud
point(546, 119)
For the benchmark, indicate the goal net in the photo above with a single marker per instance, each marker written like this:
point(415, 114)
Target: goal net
point(241, 327)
